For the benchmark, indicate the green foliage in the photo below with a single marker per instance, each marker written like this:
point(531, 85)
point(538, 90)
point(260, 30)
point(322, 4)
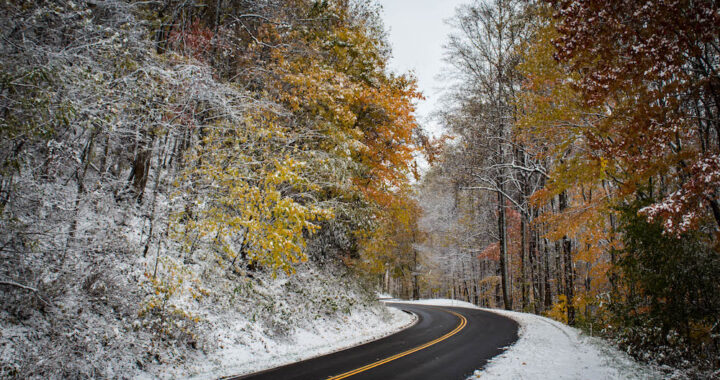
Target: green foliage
point(672, 296)
point(30, 111)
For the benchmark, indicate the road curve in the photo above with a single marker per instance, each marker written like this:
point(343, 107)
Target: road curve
point(445, 343)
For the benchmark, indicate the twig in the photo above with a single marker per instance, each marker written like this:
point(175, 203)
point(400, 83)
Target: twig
point(21, 286)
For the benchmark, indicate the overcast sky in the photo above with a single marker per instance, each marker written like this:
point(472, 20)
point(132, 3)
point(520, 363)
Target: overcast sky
point(417, 32)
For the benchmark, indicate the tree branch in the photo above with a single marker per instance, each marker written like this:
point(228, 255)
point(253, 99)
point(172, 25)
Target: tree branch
point(21, 286)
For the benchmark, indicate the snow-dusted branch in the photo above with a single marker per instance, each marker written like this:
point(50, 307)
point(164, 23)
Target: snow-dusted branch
point(25, 287)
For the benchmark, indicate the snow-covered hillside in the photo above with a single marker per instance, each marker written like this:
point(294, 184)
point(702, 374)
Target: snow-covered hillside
point(548, 349)
point(165, 212)
point(243, 347)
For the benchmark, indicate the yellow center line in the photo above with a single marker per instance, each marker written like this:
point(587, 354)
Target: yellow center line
point(457, 329)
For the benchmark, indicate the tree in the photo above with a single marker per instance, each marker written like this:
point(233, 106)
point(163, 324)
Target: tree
point(682, 304)
point(658, 73)
point(258, 207)
point(484, 56)
point(392, 246)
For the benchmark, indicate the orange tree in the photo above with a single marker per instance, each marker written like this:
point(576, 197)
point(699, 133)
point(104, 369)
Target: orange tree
point(355, 119)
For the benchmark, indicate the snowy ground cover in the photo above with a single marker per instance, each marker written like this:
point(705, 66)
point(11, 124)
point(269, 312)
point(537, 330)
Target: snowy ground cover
point(244, 347)
point(101, 276)
point(548, 349)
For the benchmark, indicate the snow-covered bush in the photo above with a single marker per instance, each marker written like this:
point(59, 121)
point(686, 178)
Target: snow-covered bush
point(113, 264)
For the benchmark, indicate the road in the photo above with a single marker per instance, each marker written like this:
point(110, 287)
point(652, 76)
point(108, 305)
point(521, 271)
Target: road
point(445, 343)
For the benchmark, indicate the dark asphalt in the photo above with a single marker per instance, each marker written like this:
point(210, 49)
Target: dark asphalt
point(484, 336)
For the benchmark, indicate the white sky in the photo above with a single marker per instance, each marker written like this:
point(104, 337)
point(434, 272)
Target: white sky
point(417, 32)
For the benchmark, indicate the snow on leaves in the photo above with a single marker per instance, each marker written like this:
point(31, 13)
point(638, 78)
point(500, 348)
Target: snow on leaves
point(655, 66)
point(684, 208)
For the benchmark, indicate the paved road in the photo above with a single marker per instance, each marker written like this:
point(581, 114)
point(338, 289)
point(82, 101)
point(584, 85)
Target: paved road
point(445, 343)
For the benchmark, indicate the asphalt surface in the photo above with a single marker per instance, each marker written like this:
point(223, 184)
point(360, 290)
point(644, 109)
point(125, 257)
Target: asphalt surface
point(445, 343)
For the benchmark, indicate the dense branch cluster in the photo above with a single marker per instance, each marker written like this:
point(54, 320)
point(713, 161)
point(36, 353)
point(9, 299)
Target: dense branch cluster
point(161, 156)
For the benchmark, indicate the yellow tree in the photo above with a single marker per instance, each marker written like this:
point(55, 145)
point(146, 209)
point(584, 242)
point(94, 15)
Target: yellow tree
point(332, 133)
point(255, 203)
point(391, 247)
point(354, 120)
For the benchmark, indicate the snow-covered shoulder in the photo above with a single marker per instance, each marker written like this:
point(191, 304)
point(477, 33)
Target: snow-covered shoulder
point(547, 349)
point(246, 348)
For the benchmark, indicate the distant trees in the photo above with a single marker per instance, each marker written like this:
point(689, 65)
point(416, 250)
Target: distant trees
point(392, 248)
point(484, 54)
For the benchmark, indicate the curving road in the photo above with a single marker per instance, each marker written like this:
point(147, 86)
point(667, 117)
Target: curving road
point(445, 343)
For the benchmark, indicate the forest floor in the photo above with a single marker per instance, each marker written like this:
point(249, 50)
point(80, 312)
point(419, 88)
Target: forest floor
point(548, 349)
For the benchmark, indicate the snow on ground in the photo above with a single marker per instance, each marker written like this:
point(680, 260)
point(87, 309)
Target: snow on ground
point(548, 349)
point(245, 348)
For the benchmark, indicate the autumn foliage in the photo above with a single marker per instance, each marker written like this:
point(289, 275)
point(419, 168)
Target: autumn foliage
point(589, 141)
point(333, 136)
point(620, 98)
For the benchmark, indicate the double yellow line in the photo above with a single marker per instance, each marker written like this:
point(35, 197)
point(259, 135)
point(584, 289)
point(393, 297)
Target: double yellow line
point(463, 323)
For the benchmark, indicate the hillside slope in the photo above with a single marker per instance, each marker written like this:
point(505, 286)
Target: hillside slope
point(161, 217)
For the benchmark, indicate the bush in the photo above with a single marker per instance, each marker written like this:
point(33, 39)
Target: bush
point(669, 305)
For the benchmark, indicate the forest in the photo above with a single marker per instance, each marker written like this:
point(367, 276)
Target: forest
point(166, 166)
point(581, 172)
point(170, 167)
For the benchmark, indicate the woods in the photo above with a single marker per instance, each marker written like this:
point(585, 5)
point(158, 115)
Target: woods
point(583, 164)
point(167, 164)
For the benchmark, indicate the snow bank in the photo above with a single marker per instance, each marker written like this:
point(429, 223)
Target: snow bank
point(246, 349)
point(548, 349)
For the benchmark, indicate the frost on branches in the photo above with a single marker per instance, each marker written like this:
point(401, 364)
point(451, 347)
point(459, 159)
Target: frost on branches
point(682, 210)
point(164, 169)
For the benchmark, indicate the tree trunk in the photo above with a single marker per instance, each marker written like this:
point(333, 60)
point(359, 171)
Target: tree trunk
point(416, 288)
point(502, 229)
point(155, 191)
point(558, 272)
point(532, 256)
point(140, 172)
point(569, 271)
point(613, 260)
point(80, 173)
point(548, 287)
point(523, 268)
